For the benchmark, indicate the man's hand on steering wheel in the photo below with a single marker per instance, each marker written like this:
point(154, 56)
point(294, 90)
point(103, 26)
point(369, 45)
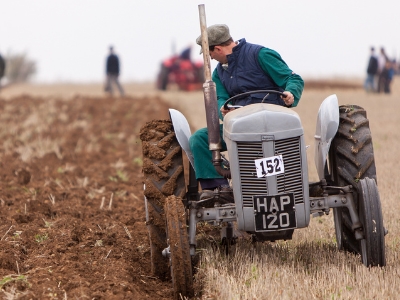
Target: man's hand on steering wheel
point(288, 98)
point(225, 111)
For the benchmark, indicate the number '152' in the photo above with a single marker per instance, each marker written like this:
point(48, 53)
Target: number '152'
point(269, 166)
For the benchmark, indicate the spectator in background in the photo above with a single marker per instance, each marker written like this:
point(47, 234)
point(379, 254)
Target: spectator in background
point(2, 68)
point(382, 59)
point(112, 72)
point(396, 67)
point(387, 75)
point(372, 71)
point(186, 53)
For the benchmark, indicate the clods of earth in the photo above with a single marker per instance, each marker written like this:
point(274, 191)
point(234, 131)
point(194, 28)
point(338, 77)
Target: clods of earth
point(72, 220)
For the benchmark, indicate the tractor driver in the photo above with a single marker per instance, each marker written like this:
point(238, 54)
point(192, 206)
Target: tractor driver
point(242, 67)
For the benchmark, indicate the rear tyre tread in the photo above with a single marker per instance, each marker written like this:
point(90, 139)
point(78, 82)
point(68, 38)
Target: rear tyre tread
point(163, 176)
point(351, 159)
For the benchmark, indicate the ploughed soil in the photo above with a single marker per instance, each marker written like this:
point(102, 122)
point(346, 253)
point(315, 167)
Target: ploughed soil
point(72, 219)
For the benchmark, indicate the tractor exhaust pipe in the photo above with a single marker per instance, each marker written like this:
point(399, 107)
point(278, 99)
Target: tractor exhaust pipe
point(210, 100)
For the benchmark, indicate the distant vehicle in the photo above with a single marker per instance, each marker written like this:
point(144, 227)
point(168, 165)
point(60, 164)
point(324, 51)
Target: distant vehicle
point(181, 71)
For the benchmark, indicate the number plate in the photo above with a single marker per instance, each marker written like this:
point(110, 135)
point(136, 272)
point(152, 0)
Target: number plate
point(269, 166)
point(275, 212)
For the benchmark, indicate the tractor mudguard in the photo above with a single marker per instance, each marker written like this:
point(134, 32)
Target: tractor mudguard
point(327, 126)
point(182, 132)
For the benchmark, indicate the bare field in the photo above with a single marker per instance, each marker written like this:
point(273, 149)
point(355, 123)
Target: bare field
point(57, 243)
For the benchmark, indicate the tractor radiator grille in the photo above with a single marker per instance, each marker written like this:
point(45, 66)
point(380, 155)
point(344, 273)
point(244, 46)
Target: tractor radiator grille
point(290, 181)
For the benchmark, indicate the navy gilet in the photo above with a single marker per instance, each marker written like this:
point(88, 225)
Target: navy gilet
point(244, 74)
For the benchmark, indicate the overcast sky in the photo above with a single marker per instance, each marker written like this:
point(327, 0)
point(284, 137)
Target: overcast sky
point(69, 39)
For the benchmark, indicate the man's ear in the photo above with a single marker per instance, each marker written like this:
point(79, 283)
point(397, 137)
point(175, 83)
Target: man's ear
point(219, 48)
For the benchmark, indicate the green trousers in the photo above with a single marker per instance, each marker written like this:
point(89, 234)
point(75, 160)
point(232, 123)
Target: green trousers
point(203, 166)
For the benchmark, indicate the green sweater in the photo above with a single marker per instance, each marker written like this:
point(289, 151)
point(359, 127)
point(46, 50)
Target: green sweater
point(273, 65)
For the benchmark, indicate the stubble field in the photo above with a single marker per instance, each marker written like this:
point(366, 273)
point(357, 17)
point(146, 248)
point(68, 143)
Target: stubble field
point(72, 223)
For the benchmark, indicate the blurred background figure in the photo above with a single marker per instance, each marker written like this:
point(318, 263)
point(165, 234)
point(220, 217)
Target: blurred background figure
point(370, 84)
point(387, 74)
point(2, 68)
point(382, 74)
point(186, 53)
point(112, 72)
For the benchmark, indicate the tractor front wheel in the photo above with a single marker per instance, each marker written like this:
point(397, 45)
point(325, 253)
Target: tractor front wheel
point(370, 213)
point(179, 250)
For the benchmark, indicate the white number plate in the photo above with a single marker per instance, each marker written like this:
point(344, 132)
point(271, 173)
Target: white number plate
point(269, 166)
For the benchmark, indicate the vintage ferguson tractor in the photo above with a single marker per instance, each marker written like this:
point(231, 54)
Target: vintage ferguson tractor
point(269, 176)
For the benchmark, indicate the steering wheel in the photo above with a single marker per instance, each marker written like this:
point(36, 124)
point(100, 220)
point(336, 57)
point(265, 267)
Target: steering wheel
point(238, 96)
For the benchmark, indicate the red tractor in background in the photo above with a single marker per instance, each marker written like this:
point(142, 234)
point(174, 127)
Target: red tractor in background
point(181, 71)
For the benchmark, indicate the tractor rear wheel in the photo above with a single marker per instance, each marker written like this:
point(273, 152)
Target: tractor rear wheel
point(351, 158)
point(163, 176)
point(162, 78)
point(179, 250)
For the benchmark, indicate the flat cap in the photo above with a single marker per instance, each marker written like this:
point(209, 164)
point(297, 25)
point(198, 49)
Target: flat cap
point(217, 34)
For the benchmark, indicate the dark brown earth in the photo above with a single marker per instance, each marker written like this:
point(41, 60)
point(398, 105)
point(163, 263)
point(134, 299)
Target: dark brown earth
point(72, 221)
